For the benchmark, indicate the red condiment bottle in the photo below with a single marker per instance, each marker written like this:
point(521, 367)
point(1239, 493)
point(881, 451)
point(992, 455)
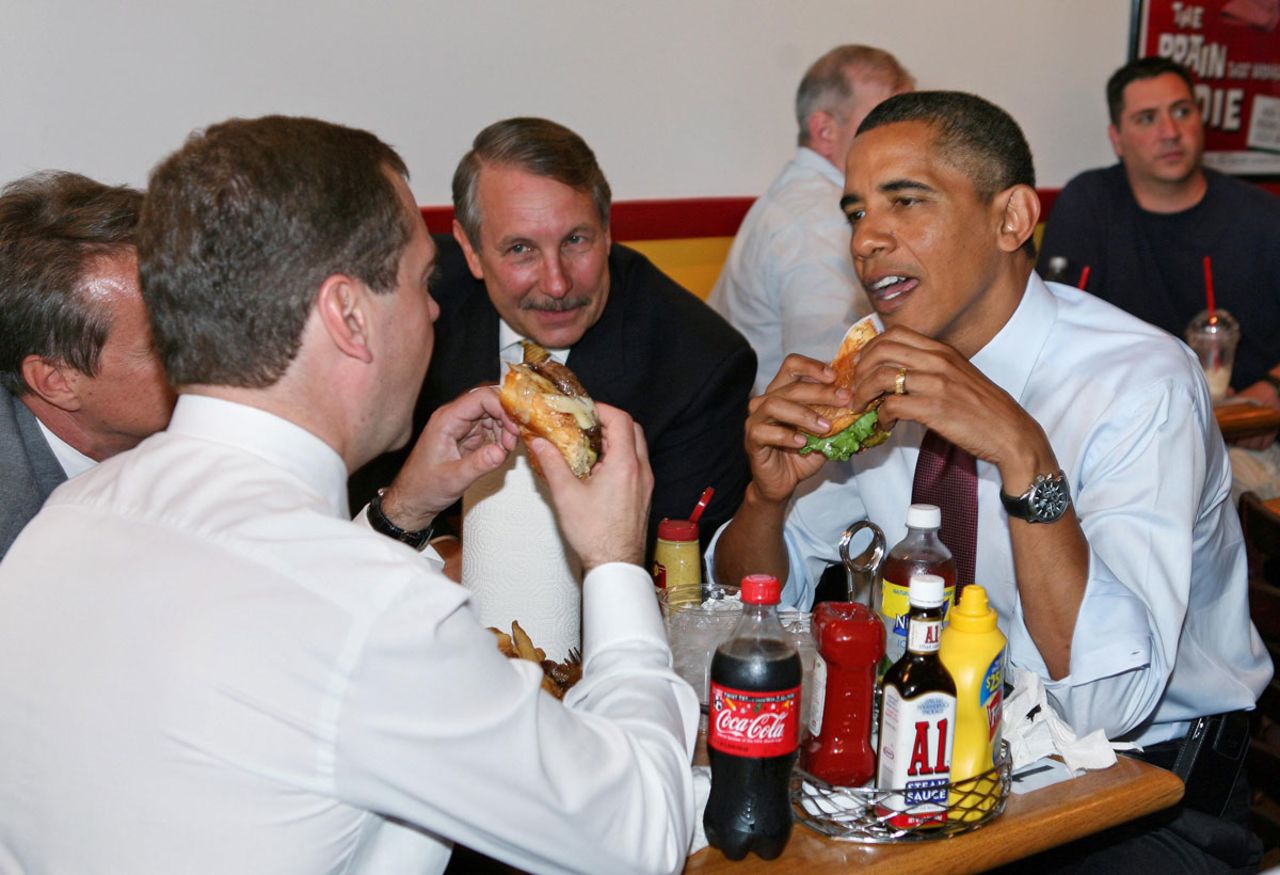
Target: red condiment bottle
point(850, 639)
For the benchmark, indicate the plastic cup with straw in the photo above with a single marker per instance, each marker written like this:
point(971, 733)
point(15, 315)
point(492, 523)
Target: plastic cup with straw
point(1214, 334)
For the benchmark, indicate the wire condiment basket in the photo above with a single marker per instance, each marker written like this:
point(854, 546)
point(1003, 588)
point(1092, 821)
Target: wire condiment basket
point(850, 813)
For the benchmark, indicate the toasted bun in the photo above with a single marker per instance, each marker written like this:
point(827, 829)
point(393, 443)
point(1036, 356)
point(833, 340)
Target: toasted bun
point(543, 409)
point(854, 339)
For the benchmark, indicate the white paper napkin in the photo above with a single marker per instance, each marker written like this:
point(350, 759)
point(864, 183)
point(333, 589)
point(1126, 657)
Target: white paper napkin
point(701, 792)
point(1034, 729)
point(515, 561)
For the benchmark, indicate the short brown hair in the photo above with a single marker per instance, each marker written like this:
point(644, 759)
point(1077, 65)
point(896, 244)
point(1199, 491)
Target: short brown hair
point(826, 84)
point(53, 226)
point(241, 227)
point(973, 134)
point(537, 146)
point(1143, 68)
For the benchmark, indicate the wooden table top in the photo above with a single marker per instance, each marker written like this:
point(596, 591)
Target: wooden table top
point(1242, 420)
point(1030, 823)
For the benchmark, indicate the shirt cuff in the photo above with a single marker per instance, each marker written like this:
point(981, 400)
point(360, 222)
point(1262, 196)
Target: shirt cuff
point(798, 590)
point(619, 605)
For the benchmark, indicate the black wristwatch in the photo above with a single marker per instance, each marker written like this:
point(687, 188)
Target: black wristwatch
point(379, 522)
point(1045, 502)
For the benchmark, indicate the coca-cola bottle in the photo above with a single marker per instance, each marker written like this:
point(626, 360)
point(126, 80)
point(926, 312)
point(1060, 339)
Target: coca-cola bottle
point(754, 729)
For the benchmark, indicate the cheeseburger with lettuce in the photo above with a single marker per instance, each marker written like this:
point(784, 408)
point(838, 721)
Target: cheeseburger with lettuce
point(851, 431)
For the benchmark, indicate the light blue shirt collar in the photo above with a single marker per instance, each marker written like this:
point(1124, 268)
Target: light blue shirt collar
point(811, 160)
point(509, 349)
point(1009, 357)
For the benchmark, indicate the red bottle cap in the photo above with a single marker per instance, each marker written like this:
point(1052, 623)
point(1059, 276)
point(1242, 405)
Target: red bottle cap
point(678, 530)
point(761, 589)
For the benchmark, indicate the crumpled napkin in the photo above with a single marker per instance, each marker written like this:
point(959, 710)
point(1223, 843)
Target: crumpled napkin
point(1034, 730)
point(701, 791)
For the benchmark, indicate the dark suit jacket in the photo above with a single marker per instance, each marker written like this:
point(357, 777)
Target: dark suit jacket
point(657, 352)
point(28, 469)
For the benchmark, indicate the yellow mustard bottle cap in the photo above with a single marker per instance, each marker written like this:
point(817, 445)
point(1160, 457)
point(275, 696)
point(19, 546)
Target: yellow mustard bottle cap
point(973, 613)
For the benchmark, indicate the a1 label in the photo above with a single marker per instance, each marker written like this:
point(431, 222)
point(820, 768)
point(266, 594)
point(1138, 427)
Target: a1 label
point(758, 725)
point(915, 756)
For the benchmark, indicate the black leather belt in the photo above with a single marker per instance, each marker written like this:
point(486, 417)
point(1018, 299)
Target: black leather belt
point(1208, 759)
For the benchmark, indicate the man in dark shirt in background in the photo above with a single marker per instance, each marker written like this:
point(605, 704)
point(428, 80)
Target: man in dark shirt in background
point(1144, 226)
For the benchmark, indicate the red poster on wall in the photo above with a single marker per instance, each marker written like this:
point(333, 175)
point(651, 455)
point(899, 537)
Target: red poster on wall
point(1232, 49)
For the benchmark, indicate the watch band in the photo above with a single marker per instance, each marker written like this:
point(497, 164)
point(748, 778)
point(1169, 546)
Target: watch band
point(1273, 380)
point(379, 522)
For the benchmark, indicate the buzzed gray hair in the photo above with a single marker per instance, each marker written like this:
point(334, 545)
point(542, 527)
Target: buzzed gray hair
point(826, 85)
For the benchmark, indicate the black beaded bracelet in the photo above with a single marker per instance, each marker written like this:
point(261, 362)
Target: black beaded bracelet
point(379, 522)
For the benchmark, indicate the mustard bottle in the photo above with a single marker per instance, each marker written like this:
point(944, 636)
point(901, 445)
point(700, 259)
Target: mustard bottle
point(677, 561)
point(973, 651)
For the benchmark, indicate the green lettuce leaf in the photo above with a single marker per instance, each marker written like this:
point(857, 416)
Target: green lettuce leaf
point(843, 444)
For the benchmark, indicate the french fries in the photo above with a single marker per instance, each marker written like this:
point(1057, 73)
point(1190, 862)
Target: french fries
point(557, 677)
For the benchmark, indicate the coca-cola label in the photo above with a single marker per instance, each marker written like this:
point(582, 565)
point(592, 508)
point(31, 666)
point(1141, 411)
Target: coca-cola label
point(757, 725)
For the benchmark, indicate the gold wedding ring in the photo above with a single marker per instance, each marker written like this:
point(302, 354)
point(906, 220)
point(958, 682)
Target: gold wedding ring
point(900, 382)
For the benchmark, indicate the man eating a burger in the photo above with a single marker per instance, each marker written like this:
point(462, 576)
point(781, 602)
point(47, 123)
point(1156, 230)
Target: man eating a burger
point(1071, 447)
point(532, 258)
point(225, 674)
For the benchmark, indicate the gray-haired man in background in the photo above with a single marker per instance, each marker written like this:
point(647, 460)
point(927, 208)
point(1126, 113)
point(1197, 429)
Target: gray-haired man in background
point(789, 284)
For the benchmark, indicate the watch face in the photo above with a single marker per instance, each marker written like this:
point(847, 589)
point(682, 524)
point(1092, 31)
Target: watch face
point(1049, 498)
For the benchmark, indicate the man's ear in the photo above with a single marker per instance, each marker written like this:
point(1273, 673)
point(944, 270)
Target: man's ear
point(1019, 217)
point(1113, 134)
point(342, 304)
point(56, 382)
point(821, 126)
point(473, 257)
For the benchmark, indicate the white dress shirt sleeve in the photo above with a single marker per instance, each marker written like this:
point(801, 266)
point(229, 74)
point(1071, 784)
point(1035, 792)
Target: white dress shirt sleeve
point(439, 730)
point(1138, 505)
point(811, 533)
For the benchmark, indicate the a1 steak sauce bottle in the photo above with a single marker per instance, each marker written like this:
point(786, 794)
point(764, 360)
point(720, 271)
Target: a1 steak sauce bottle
point(918, 716)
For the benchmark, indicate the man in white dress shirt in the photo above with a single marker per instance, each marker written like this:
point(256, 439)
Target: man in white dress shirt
point(1129, 600)
point(225, 674)
point(788, 284)
point(76, 355)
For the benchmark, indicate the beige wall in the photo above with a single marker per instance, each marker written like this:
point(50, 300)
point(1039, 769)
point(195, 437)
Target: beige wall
point(680, 98)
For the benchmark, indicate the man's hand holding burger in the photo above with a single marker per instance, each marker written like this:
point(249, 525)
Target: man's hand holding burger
point(806, 415)
point(944, 392)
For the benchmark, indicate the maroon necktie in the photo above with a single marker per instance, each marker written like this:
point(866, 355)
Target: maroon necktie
point(947, 476)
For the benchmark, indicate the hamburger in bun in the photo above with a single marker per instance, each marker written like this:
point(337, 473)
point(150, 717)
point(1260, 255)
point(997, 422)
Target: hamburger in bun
point(545, 398)
point(851, 431)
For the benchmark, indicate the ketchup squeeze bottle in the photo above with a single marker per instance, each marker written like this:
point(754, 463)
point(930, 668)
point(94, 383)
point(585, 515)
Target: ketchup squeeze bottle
point(920, 552)
point(850, 639)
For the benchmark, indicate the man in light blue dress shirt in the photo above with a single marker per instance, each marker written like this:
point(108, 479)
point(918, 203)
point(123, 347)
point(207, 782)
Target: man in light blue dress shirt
point(1129, 601)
